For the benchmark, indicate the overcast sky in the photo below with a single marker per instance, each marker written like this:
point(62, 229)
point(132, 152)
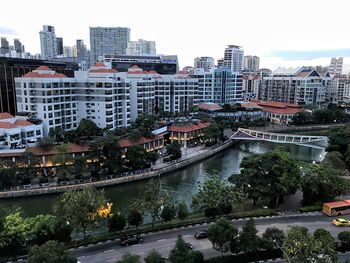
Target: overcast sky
point(281, 32)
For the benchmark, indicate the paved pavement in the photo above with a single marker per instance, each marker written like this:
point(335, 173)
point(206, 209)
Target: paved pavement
point(164, 241)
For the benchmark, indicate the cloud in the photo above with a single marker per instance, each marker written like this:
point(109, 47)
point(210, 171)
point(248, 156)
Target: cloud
point(310, 54)
point(7, 31)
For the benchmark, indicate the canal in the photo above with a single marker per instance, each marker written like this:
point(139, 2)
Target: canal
point(182, 184)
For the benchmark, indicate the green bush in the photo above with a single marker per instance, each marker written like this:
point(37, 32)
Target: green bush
point(310, 208)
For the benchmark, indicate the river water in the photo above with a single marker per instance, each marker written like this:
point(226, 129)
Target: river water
point(182, 184)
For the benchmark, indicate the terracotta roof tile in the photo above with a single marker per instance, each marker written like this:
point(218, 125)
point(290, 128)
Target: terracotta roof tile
point(43, 68)
point(209, 106)
point(125, 143)
point(73, 148)
point(135, 66)
point(23, 123)
point(188, 127)
point(99, 64)
point(7, 125)
point(46, 75)
point(103, 70)
point(5, 115)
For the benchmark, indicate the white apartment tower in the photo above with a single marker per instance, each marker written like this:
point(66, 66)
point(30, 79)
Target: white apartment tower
point(141, 48)
point(336, 66)
point(48, 42)
point(233, 58)
point(251, 63)
point(205, 63)
point(108, 41)
point(100, 95)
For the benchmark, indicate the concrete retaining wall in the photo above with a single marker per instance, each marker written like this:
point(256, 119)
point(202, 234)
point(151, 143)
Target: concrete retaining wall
point(115, 181)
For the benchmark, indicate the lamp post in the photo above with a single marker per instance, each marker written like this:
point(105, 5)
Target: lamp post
point(284, 252)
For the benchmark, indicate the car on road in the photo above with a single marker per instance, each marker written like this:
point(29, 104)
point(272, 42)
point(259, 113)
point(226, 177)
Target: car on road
point(341, 222)
point(189, 245)
point(131, 240)
point(201, 234)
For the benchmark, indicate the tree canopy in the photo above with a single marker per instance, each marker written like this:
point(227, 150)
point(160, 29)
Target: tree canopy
point(50, 252)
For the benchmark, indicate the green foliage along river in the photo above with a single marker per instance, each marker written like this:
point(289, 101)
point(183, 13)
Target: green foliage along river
point(182, 183)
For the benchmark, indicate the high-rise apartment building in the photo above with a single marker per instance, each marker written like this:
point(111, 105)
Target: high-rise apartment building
point(251, 63)
point(205, 63)
point(302, 85)
point(336, 66)
point(48, 42)
point(19, 48)
point(233, 58)
point(81, 49)
point(59, 45)
point(108, 41)
point(4, 48)
point(141, 48)
point(221, 85)
point(99, 94)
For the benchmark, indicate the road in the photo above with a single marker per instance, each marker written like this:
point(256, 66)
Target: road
point(164, 241)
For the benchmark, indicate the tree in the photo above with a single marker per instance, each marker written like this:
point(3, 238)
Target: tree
point(128, 258)
point(28, 163)
point(62, 230)
point(46, 143)
point(215, 197)
point(174, 150)
point(180, 253)
point(321, 116)
point(168, 212)
point(271, 236)
point(221, 234)
point(182, 210)
point(339, 139)
point(335, 160)
point(63, 158)
point(7, 177)
point(87, 129)
point(136, 157)
point(344, 238)
point(117, 222)
point(50, 252)
point(56, 134)
point(153, 199)
point(41, 229)
point(214, 133)
point(248, 240)
point(145, 122)
point(135, 214)
point(321, 183)
point(302, 118)
point(300, 246)
point(154, 257)
point(80, 207)
point(270, 175)
point(327, 246)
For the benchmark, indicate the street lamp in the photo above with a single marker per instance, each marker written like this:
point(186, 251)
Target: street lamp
point(284, 252)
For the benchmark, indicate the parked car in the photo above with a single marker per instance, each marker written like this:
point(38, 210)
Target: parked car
point(189, 245)
point(201, 234)
point(341, 222)
point(131, 240)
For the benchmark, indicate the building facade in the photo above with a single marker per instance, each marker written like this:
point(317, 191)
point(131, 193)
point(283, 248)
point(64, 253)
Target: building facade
point(302, 85)
point(141, 48)
point(11, 68)
point(61, 102)
point(48, 42)
point(233, 58)
point(17, 133)
point(4, 47)
point(251, 63)
point(59, 45)
point(205, 63)
point(251, 83)
point(108, 41)
point(336, 66)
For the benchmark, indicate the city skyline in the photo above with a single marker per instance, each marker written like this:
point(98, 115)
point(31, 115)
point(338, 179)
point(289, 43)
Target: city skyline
point(280, 36)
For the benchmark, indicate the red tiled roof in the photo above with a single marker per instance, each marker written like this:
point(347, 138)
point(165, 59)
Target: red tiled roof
point(209, 106)
point(338, 203)
point(23, 123)
point(250, 105)
point(136, 72)
point(125, 143)
point(46, 75)
point(7, 125)
point(279, 107)
point(103, 70)
point(5, 115)
point(188, 127)
point(43, 68)
point(282, 111)
point(152, 72)
point(10, 154)
point(135, 66)
point(72, 148)
point(99, 64)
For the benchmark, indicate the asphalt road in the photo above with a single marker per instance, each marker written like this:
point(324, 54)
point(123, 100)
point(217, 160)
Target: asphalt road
point(164, 241)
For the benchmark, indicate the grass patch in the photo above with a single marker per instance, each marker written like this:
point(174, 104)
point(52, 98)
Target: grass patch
point(310, 208)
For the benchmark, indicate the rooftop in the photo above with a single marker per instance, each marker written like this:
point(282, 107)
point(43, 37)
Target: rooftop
point(126, 142)
point(72, 148)
point(209, 106)
point(188, 127)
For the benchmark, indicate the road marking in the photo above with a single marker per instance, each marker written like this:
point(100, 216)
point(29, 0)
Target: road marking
point(112, 259)
point(140, 253)
point(187, 235)
point(81, 257)
point(161, 240)
point(107, 251)
point(136, 245)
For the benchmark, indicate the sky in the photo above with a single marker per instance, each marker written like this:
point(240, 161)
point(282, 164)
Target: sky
point(287, 33)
